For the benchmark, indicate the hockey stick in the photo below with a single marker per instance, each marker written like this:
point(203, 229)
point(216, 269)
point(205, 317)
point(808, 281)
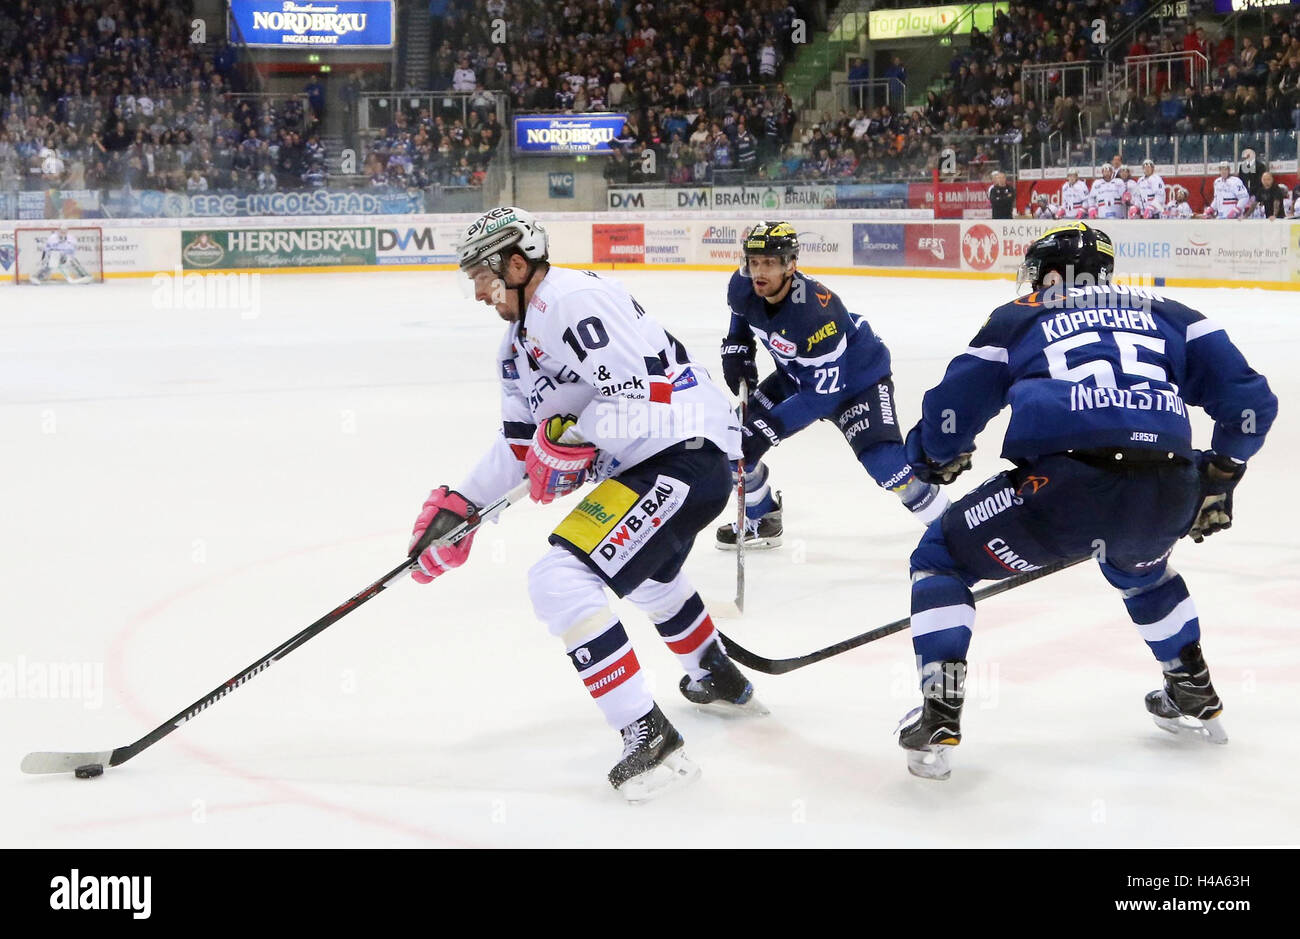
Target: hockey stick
point(92, 764)
point(740, 505)
point(781, 666)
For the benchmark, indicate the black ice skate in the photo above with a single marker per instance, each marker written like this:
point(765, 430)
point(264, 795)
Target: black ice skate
point(929, 733)
point(653, 759)
point(760, 533)
point(1188, 705)
point(724, 690)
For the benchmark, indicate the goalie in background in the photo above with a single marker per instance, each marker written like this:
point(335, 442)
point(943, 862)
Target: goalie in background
point(59, 256)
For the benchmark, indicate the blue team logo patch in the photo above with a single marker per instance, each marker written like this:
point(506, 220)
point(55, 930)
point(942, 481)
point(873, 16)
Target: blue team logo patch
point(509, 369)
point(6, 257)
point(685, 380)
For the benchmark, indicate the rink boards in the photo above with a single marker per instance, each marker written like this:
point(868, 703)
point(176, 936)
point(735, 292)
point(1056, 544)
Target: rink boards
point(1190, 253)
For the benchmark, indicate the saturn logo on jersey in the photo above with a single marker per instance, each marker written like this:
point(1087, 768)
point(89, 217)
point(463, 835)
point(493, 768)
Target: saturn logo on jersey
point(990, 506)
point(782, 346)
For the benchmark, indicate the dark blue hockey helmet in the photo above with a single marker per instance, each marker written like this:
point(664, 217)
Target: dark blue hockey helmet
point(1072, 250)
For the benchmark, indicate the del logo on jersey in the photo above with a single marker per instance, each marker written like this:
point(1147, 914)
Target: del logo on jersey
point(782, 346)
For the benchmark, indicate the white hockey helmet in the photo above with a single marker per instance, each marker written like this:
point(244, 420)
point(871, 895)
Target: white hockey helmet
point(1107, 171)
point(493, 234)
point(1148, 162)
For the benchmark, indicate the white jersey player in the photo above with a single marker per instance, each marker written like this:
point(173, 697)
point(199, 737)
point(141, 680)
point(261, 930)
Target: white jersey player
point(1180, 208)
point(592, 387)
point(1106, 197)
point(1151, 188)
point(1040, 207)
point(1132, 196)
point(1230, 196)
point(59, 255)
point(1074, 197)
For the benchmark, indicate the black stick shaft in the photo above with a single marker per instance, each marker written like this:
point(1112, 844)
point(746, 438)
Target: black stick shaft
point(122, 754)
point(781, 666)
point(740, 506)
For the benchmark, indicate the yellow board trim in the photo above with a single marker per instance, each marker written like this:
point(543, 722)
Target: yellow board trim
point(597, 515)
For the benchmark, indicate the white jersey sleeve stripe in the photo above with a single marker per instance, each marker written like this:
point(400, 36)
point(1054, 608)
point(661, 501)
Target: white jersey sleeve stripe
point(988, 353)
point(1202, 328)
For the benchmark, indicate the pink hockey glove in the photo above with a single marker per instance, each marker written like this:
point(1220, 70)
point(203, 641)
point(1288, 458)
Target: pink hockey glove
point(554, 468)
point(443, 510)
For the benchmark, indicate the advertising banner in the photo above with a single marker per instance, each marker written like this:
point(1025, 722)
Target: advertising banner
point(59, 203)
point(998, 245)
point(567, 133)
point(921, 22)
point(417, 244)
point(622, 243)
point(1295, 252)
point(658, 199)
point(956, 200)
point(717, 243)
point(1197, 249)
point(773, 198)
point(277, 247)
point(825, 244)
point(1236, 6)
point(667, 242)
point(877, 245)
point(871, 196)
point(331, 24)
point(928, 246)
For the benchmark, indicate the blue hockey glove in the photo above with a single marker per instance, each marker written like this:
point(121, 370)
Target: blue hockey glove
point(738, 362)
point(927, 470)
point(1219, 476)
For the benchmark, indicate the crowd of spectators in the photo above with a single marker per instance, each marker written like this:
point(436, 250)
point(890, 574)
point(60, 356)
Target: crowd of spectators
point(421, 147)
point(699, 79)
point(1252, 86)
point(100, 94)
point(987, 116)
point(117, 94)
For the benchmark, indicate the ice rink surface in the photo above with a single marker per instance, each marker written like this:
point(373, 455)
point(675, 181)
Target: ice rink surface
point(184, 489)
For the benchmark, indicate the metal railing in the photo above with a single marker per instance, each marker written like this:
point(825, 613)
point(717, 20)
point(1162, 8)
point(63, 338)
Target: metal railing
point(720, 96)
point(869, 93)
point(1047, 80)
point(376, 110)
point(1194, 154)
point(1143, 74)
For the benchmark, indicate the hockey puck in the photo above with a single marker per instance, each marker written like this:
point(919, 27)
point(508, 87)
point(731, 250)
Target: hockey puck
point(89, 771)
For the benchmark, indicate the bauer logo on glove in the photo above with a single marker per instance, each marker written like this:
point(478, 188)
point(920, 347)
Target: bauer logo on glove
point(558, 461)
